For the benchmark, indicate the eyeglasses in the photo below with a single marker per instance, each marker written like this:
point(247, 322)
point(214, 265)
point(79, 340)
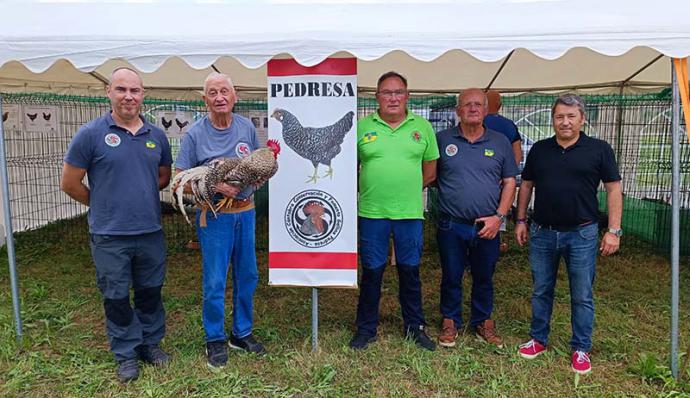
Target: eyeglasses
point(388, 94)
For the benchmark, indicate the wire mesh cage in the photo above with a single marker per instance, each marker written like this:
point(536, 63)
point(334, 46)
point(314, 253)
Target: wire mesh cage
point(39, 127)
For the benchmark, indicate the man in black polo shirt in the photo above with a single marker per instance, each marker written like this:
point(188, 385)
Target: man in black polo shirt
point(565, 172)
point(476, 185)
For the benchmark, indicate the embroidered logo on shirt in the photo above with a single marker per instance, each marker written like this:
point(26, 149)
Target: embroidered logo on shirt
point(112, 140)
point(451, 150)
point(370, 137)
point(150, 144)
point(416, 136)
point(488, 152)
point(242, 150)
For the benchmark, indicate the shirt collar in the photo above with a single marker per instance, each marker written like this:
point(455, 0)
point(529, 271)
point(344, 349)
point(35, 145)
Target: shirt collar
point(410, 116)
point(457, 130)
point(145, 128)
point(582, 140)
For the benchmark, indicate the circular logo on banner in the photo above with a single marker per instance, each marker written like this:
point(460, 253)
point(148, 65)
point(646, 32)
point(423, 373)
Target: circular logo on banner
point(313, 218)
point(112, 140)
point(451, 150)
point(242, 150)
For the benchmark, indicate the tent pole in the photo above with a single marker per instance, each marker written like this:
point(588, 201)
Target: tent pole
point(9, 236)
point(675, 218)
point(314, 319)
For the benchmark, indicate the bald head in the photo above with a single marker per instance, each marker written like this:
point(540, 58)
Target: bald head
point(472, 91)
point(494, 98)
point(124, 71)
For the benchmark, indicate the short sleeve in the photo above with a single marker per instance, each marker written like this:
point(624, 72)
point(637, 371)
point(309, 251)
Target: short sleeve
point(186, 158)
point(527, 171)
point(516, 138)
point(609, 169)
point(509, 168)
point(166, 155)
point(79, 152)
point(431, 152)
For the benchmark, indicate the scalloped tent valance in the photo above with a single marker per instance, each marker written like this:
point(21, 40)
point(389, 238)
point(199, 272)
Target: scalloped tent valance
point(515, 45)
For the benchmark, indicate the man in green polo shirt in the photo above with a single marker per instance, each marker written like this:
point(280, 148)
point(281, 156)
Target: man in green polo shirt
point(397, 156)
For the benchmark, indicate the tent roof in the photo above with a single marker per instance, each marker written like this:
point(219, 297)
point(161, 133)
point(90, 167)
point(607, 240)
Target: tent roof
point(512, 45)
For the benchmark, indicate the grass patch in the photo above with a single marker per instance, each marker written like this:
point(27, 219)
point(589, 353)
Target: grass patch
point(65, 350)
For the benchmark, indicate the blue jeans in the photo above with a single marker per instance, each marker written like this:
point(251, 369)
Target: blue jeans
point(139, 261)
point(228, 238)
point(459, 247)
point(579, 250)
point(374, 235)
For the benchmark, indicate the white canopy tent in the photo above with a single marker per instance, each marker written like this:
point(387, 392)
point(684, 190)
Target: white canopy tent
point(71, 47)
point(512, 45)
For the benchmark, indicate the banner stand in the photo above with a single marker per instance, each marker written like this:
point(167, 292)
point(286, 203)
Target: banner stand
point(314, 319)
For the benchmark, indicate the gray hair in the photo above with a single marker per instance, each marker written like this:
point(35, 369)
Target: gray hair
point(462, 92)
point(569, 100)
point(216, 75)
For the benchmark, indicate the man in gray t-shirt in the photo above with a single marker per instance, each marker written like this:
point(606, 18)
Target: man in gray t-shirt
point(227, 237)
point(476, 184)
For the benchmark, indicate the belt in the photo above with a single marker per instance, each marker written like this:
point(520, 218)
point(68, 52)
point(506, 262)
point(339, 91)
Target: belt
point(240, 203)
point(457, 219)
point(562, 228)
point(237, 206)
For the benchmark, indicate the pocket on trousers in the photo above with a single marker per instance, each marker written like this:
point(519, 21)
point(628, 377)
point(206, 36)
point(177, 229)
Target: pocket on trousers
point(589, 232)
point(534, 229)
point(98, 239)
point(443, 224)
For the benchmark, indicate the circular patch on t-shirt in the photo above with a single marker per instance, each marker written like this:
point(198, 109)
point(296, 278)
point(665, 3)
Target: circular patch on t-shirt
point(242, 150)
point(112, 140)
point(451, 150)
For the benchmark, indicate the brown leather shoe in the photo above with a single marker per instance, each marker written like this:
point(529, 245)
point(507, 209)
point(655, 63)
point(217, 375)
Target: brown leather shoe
point(486, 331)
point(449, 333)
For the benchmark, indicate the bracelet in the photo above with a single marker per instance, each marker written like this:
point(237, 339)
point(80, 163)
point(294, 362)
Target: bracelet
point(521, 221)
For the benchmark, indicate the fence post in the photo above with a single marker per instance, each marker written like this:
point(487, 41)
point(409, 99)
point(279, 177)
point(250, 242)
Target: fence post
point(9, 236)
point(675, 218)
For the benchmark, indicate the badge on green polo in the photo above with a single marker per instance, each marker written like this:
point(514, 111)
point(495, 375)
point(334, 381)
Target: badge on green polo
point(416, 136)
point(150, 144)
point(370, 137)
point(488, 152)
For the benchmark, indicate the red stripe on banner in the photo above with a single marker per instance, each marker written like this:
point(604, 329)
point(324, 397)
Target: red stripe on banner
point(329, 66)
point(315, 260)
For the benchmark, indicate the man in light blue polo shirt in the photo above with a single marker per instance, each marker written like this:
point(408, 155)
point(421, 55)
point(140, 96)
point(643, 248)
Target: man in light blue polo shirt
point(227, 237)
point(476, 185)
point(127, 161)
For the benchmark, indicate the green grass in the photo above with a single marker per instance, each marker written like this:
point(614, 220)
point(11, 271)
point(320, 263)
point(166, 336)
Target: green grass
point(65, 350)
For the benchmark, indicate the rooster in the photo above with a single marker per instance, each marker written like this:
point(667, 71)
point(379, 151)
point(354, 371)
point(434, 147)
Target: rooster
point(181, 124)
point(314, 223)
point(166, 123)
point(253, 170)
point(318, 145)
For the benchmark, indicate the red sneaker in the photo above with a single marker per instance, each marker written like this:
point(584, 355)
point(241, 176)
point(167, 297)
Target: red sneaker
point(581, 362)
point(531, 349)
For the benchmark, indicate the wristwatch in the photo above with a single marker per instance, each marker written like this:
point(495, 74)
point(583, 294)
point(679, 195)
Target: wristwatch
point(616, 231)
point(500, 216)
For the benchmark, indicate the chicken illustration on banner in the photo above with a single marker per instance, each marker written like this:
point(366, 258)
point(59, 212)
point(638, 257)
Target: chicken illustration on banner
point(318, 145)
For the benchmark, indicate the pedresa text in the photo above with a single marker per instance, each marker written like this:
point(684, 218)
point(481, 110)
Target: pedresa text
point(312, 89)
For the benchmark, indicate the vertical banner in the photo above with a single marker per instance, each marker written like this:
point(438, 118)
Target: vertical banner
point(312, 112)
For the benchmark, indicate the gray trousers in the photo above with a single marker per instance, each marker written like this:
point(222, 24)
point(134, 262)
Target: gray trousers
point(137, 261)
